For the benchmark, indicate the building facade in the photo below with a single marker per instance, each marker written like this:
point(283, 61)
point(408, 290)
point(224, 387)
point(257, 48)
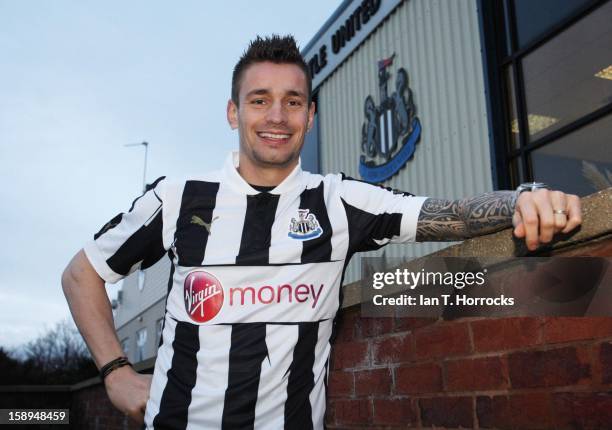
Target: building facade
point(443, 98)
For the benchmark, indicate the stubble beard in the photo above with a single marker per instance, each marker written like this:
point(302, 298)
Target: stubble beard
point(272, 161)
point(262, 159)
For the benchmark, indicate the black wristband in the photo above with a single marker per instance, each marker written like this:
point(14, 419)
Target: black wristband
point(112, 365)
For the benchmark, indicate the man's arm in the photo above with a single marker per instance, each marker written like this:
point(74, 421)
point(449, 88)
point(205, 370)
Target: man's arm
point(535, 216)
point(91, 310)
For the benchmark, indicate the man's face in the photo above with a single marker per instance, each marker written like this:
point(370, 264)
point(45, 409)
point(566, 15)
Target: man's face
point(273, 116)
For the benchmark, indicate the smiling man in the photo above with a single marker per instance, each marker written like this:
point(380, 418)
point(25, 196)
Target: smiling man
point(272, 110)
point(258, 252)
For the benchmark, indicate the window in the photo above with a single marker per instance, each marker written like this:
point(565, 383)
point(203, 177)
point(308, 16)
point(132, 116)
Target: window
point(534, 18)
point(560, 77)
point(580, 162)
point(125, 345)
point(549, 62)
point(511, 100)
point(141, 279)
point(141, 341)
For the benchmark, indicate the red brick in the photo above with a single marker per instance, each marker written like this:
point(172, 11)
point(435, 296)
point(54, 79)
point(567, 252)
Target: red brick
point(395, 349)
point(353, 411)
point(583, 410)
point(447, 412)
point(394, 412)
point(442, 341)
point(369, 327)
point(557, 367)
point(502, 334)
point(571, 329)
point(376, 381)
point(350, 354)
point(487, 373)
point(531, 410)
point(520, 411)
point(340, 384)
point(605, 361)
point(419, 378)
point(411, 323)
point(346, 324)
point(330, 413)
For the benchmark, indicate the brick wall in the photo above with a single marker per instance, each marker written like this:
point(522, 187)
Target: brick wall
point(472, 373)
point(506, 373)
point(92, 410)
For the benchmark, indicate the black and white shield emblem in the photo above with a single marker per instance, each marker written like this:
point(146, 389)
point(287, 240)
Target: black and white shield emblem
point(391, 129)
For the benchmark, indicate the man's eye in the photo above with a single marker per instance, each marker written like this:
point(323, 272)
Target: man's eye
point(294, 103)
point(258, 101)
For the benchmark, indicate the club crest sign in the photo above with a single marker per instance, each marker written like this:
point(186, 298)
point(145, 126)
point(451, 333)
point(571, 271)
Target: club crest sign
point(391, 130)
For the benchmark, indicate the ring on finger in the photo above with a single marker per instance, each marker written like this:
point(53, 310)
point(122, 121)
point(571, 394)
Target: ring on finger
point(560, 212)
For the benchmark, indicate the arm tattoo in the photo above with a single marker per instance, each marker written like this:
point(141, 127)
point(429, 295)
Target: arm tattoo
point(447, 220)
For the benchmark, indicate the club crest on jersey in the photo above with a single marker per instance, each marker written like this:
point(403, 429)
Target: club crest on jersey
point(305, 227)
point(203, 294)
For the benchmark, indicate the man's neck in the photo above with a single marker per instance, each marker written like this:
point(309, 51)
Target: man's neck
point(267, 177)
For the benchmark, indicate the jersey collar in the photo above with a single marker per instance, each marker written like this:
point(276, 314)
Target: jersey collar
point(294, 180)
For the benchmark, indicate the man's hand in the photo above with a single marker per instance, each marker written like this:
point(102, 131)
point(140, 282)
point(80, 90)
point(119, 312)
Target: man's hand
point(128, 391)
point(539, 214)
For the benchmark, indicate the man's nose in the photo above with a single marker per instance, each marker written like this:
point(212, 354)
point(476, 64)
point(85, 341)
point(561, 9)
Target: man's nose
point(276, 113)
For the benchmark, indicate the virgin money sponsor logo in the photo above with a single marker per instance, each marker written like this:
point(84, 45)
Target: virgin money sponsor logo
point(268, 294)
point(203, 295)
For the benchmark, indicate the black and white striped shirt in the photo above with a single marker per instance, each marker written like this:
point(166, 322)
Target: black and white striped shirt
point(253, 291)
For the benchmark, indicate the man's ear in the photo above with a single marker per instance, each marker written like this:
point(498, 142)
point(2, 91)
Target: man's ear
point(232, 114)
point(311, 113)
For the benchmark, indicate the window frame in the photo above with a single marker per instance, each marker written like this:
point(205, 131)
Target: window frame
point(141, 349)
point(492, 17)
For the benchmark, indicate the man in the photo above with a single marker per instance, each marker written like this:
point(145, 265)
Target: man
point(258, 252)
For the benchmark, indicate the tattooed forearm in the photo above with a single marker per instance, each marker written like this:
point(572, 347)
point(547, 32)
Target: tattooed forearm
point(440, 220)
point(447, 220)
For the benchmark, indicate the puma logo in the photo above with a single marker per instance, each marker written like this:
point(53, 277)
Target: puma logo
point(199, 221)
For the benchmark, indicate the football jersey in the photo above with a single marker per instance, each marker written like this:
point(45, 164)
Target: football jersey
point(254, 288)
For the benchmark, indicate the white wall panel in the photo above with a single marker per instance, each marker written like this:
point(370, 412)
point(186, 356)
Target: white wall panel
point(135, 301)
point(438, 43)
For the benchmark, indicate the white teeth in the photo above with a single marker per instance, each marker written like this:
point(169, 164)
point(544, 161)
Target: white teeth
point(274, 136)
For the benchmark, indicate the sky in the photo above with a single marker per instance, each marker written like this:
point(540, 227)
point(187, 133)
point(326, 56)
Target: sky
point(78, 81)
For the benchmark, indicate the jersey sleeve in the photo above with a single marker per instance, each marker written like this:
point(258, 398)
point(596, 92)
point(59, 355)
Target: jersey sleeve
point(130, 240)
point(377, 215)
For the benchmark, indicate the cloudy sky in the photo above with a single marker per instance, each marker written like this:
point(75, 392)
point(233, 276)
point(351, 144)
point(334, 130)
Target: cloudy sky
point(80, 79)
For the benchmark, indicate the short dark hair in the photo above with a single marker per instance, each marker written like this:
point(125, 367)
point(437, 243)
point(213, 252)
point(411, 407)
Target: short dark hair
point(276, 49)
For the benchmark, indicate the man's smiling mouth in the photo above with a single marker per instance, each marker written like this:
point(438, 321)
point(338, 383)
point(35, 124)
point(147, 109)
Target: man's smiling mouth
point(274, 136)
